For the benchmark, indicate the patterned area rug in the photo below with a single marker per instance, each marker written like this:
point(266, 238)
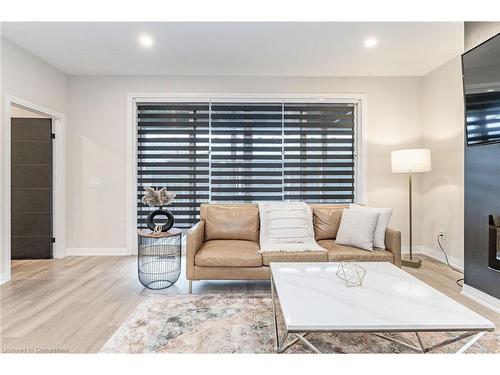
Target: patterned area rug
point(236, 323)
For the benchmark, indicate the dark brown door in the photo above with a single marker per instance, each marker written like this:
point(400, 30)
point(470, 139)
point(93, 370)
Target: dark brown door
point(31, 188)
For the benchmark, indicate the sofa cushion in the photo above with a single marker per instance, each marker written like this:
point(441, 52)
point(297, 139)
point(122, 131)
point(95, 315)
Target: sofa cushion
point(225, 223)
point(294, 256)
point(286, 226)
point(339, 253)
point(382, 223)
point(204, 207)
point(326, 222)
point(357, 228)
point(228, 253)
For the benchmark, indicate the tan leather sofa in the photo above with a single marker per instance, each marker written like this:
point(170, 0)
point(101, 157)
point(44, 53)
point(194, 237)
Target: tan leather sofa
point(224, 244)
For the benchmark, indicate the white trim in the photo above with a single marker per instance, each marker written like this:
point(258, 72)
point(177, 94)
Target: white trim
point(482, 298)
point(91, 251)
point(218, 97)
point(131, 185)
point(59, 187)
point(3, 278)
point(438, 255)
point(59, 190)
point(434, 254)
point(361, 171)
point(137, 97)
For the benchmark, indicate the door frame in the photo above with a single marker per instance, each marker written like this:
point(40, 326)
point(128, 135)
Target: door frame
point(58, 181)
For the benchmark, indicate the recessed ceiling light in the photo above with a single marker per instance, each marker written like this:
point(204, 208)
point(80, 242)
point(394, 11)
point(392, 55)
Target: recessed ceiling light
point(146, 40)
point(370, 42)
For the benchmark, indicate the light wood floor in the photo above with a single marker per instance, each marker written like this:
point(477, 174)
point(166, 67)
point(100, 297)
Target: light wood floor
point(75, 304)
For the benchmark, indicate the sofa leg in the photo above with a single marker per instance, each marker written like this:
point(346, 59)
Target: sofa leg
point(190, 287)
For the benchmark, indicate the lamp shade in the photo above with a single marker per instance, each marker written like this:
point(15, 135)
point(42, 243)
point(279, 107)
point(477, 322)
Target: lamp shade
point(411, 160)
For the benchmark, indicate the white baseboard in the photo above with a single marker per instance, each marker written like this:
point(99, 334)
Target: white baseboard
point(435, 254)
point(4, 278)
point(90, 251)
point(482, 298)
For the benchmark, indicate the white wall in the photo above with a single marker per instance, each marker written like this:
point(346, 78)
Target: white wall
point(27, 77)
point(477, 32)
point(443, 133)
point(97, 142)
point(30, 78)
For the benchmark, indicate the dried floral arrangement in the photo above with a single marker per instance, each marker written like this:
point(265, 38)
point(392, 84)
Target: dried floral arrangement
point(159, 198)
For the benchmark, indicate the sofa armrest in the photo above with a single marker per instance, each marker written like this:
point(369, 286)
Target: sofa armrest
point(393, 244)
point(195, 237)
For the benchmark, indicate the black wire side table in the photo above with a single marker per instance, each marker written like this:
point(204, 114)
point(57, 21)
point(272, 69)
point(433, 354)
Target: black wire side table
point(159, 258)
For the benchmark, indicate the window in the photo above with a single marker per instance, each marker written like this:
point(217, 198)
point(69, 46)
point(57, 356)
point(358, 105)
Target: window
point(217, 151)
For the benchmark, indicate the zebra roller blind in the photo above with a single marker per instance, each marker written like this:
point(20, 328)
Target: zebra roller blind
point(172, 151)
point(245, 152)
point(318, 152)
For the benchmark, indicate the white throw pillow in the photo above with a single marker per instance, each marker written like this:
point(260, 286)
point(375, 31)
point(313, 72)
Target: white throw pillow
point(382, 224)
point(287, 223)
point(357, 228)
point(286, 226)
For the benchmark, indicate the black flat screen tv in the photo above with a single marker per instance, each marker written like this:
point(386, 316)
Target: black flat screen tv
point(481, 78)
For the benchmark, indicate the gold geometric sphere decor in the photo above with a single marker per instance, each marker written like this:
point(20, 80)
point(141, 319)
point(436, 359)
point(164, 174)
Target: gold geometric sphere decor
point(351, 273)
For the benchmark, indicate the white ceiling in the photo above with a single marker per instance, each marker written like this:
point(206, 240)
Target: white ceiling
point(249, 49)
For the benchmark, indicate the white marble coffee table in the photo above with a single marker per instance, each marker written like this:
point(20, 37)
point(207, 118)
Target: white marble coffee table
point(313, 299)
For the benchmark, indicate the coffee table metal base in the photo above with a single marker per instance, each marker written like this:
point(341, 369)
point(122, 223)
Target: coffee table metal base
point(282, 345)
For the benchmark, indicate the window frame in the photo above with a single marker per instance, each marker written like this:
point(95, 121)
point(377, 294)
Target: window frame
point(133, 99)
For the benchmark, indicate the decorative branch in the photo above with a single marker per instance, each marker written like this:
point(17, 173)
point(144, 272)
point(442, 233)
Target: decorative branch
point(158, 198)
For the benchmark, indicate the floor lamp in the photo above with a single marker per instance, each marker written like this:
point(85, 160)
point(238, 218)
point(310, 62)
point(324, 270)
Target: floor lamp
point(411, 161)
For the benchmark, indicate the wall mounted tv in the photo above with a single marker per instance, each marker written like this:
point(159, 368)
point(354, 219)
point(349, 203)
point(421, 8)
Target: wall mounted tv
point(481, 75)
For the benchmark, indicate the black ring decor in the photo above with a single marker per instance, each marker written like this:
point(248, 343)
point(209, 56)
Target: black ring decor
point(151, 217)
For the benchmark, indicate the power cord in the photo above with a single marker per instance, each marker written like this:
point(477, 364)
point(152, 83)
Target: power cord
point(440, 235)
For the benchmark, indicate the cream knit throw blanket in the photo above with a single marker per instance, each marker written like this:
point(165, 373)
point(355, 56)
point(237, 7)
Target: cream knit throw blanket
point(286, 226)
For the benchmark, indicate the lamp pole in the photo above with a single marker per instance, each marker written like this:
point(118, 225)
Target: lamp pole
point(411, 215)
point(415, 263)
